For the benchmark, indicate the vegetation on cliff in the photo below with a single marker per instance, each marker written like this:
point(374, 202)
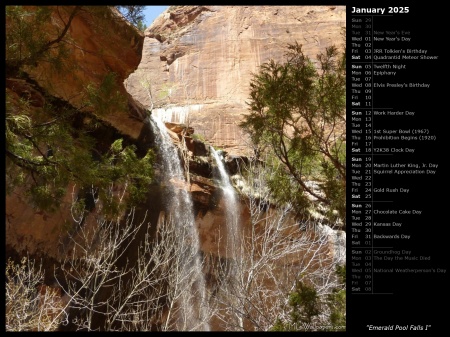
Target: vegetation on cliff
point(134, 14)
point(297, 115)
point(118, 272)
point(297, 127)
point(50, 144)
point(307, 308)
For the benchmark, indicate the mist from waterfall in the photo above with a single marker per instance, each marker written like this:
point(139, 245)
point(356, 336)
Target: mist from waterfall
point(179, 208)
point(231, 206)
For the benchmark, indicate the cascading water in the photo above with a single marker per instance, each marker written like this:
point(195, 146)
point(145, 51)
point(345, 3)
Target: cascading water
point(231, 206)
point(234, 247)
point(193, 302)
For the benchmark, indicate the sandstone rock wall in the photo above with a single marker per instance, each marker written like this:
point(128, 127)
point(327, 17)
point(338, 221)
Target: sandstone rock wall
point(99, 41)
point(198, 60)
point(203, 56)
point(97, 45)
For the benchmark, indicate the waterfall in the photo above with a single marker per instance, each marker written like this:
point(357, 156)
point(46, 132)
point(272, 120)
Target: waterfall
point(179, 206)
point(176, 114)
point(231, 206)
point(234, 247)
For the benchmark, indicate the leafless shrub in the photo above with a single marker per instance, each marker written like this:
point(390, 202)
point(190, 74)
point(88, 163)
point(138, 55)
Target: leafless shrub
point(30, 305)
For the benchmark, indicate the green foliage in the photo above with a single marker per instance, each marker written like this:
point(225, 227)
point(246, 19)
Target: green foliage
point(199, 137)
point(44, 157)
point(165, 91)
point(284, 189)
point(297, 113)
point(122, 166)
point(341, 271)
point(304, 303)
point(337, 302)
point(28, 41)
point(51, 147)
point(306, 306)
point(134, 14)
point(106, 96)
point(141, 26)
point(24, 38)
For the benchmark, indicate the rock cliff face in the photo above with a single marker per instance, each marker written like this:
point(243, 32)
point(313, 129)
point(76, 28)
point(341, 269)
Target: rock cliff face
point(198, 60)
point(100, 43)
point(203, 56)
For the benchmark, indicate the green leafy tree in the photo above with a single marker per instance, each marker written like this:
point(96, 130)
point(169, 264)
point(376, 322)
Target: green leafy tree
point(297, 115)
point(307, 308)
point(141, 26)
point(48, 150)
point(134, 14)
point(337, 302)
point(51, 144)
point(27, 40)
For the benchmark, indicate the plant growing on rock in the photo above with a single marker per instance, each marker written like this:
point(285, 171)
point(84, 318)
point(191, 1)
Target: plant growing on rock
point(49, 142)
point(297, 114)
point(307, 308)
point(269, 259)
point(46, 151)
point(134, 14)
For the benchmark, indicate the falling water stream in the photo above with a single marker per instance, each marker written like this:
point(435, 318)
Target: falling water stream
point(231, 206)
point(233, 223)
point(193, 313)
